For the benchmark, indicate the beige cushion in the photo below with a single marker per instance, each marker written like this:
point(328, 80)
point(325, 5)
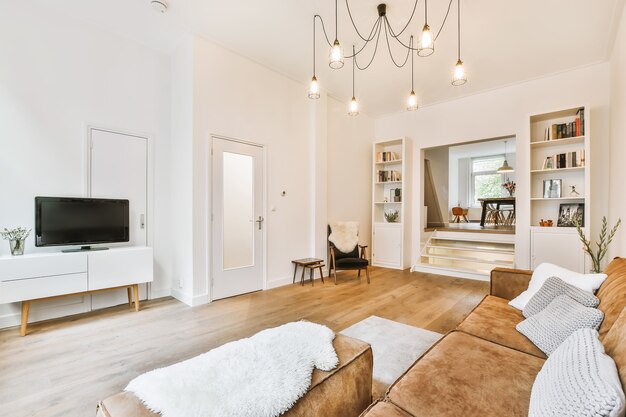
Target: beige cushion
point(495, 320)
point(464, 375)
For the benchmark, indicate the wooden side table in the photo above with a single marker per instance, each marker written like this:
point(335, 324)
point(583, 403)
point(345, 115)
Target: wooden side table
point(305, 263)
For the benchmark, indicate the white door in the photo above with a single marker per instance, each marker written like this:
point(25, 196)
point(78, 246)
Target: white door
point(387, 247)
point(559, 248)
point(119, 169)
point(238, 223)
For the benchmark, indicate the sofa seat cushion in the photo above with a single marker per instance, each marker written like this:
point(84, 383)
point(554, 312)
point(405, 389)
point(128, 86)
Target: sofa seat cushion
point(464, 375)
point(346, 390)
point(612, 294)
point(495, 320)
point(352, 263)
point(384, 409)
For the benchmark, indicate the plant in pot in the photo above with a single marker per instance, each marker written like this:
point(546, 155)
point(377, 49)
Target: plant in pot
point(605, 239)
point(17, 238)
point(392, 216)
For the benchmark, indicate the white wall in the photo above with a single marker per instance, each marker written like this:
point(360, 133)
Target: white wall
point(618, 138)
point(504, 112)
point(350, 168)
point(56, 75)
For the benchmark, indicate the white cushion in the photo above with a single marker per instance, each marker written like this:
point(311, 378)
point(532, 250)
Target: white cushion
point(578, 380)
point(586, 282)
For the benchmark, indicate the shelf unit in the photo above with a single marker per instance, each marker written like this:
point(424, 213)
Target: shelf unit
point(547, 243)
point(391, 241)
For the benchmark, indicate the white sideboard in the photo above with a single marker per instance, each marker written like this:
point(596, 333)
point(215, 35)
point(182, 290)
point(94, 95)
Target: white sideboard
point(40, 276)
point(557, 245)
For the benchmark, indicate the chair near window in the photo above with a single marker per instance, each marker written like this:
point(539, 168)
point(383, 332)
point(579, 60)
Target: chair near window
point(347, 260)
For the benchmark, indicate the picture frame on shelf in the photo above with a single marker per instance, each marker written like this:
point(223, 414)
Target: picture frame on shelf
point(548, 163)
point(552, 188)
point(570, 214)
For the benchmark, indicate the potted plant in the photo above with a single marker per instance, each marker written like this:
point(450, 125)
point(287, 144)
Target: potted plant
point(16, 238)
point(392, 216)
point(606, 237)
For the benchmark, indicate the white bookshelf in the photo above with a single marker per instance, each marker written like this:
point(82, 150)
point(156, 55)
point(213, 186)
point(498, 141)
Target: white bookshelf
point(391, 241)
point(547, 242)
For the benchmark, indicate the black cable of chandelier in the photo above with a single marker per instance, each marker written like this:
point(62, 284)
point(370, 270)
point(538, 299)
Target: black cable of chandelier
point(397, 36)
point(408, 52)
point(373, 33)
point(458, 33)
point(367, 40)
point(375, 50)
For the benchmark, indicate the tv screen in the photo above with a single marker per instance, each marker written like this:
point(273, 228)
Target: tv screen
point(80, 221)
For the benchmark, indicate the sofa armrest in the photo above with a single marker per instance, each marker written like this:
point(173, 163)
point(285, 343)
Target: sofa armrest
point(509, 283)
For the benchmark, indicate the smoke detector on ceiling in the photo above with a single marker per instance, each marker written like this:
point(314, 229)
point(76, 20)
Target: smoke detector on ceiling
point(159, 6)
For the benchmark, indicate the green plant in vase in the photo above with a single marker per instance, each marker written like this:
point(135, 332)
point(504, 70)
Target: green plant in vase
point(17, 238)
point(392, 216)
point(605, 239)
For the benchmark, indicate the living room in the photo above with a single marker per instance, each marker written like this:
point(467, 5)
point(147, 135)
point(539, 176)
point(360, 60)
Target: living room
point(239, 154)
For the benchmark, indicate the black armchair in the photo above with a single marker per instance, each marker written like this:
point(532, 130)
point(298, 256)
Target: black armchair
point(342, 261)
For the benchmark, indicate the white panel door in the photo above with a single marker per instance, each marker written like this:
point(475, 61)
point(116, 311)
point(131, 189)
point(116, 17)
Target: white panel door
point(560, 248)
point(387, 247)
point(238, 223)
point(119, 169)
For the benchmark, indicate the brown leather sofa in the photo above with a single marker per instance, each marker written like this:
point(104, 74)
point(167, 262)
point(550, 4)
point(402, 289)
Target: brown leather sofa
point(344, 391)
point(485, 367)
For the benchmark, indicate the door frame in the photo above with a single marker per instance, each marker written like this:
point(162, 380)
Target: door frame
point(209, 218)
point(88, 128)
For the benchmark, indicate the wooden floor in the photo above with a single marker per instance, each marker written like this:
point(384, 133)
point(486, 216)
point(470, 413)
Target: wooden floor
point(64, 366)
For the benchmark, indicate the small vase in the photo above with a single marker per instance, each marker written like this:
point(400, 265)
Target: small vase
point(511, 192)
point(17, 246)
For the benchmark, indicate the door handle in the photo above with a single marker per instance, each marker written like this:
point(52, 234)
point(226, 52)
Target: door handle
point(142, 221)
point(260, 221)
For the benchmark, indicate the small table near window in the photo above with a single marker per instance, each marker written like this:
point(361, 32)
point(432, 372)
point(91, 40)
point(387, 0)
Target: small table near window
point(495, 204)
point(307, 263)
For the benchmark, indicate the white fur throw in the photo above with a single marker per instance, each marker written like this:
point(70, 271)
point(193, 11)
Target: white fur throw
point(344, 235)
point(261, 376)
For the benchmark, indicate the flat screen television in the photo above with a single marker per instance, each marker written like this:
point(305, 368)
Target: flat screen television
point(80, 221)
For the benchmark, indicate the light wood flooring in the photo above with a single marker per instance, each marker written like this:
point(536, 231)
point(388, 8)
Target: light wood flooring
point(63, 367)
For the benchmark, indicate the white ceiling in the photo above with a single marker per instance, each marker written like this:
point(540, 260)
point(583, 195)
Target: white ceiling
point(503, 41)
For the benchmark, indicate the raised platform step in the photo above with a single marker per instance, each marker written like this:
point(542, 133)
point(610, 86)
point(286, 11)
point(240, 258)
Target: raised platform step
point(506, 251)
point(508, 264)
point(480, 275)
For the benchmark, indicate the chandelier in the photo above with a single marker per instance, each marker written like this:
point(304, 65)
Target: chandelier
point(424, 47)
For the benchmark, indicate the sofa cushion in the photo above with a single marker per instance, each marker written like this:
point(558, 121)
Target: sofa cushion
point(352, 263)
point(495, 320)
point(464, 375)
point(552, 288)
point(384, 409)
point(555, 323)
point(615, 345)
point(612, 294)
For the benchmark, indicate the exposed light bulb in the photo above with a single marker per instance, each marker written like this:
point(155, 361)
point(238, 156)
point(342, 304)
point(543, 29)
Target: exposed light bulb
point(314, 89)
point(336, 56)
point(354, 107)
point(460, 77)
point(426, 45)
point(411, 103)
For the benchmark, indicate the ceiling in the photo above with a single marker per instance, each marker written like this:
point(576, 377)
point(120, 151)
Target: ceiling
point(503, 41)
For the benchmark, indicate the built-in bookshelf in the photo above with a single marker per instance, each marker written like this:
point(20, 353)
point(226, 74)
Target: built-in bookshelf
point(390, 194)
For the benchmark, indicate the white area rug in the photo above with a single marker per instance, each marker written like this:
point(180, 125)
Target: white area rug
point(395, 345)
point(261, 376)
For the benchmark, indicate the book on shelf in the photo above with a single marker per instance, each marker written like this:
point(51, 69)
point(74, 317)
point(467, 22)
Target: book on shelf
point(572, 129)
point(386, 176)
point(386, 156)
point(573, 159)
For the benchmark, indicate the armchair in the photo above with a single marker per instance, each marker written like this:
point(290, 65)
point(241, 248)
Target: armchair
point(344, 236)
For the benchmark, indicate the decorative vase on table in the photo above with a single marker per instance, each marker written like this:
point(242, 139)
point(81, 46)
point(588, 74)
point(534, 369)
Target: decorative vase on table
point(17, 246)
point(17, 239)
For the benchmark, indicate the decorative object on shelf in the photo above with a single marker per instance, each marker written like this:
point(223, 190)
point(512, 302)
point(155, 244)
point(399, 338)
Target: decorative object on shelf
point(573, 192)
point(509, 186)
point(395, 195)
point(425, 47)
point(392, 216)
point(17, 238)
point(548, 163)
point(385, 200)
point(552, 188)
point(571, 214)
point(505, 165)
point(605, 239)
point(545, 223)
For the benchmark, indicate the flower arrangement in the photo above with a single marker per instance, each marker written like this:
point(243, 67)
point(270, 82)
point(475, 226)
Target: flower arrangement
point(509, 186)
point(392, 216)
point(606, 237)
point(16, 238)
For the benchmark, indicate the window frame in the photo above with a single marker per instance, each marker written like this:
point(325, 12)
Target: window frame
point(472, 185)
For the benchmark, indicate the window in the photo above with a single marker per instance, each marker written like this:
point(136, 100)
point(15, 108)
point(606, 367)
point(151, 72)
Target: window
point(485, 180)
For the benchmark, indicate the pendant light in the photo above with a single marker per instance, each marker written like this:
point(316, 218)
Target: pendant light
point(314, 88)
point(353, 109)
point(426, 45)
point(336, 51)
point(411, 103)
point(505, 165)
point(459, 77)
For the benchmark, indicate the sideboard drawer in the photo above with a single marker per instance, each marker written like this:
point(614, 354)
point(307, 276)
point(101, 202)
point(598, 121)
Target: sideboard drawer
point(30, 289)
point(42, 265)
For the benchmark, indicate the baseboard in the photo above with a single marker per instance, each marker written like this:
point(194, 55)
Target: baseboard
point(450, 272)
point(275, 283)
point(160, 292)
point(188, 298)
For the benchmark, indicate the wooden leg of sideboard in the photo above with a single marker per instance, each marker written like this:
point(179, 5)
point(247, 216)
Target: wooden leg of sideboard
point(25, 310)
point(136, 289)
point(130, 296)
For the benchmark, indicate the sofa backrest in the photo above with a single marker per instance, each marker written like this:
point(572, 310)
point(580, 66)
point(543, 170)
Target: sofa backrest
point(615, 345)
point(612, 294)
